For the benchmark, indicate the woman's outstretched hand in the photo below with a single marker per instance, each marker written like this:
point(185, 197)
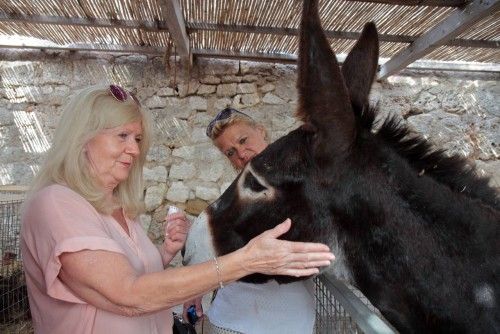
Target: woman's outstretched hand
point(266, 254)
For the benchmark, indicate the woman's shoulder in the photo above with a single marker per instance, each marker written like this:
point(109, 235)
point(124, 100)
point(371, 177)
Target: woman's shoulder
point(57, 196)
point(57, 192)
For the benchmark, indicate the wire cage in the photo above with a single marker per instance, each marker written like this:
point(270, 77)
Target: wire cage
point(14, 307)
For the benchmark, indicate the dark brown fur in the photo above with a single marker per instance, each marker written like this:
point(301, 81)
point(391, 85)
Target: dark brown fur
point(417, 230)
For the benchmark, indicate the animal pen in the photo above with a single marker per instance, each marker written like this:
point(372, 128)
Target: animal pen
point(14, 309)
point(339, 309)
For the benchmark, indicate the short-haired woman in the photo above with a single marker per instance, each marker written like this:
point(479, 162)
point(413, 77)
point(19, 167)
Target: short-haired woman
point(244, 307)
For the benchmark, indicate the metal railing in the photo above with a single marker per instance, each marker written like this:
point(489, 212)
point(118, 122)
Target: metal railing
point(342, 309)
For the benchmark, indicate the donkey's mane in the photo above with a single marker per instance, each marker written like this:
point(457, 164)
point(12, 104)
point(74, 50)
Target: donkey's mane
point(421, 154)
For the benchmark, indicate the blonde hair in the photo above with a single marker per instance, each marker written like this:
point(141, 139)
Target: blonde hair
point(221, 125)
point(90, 111)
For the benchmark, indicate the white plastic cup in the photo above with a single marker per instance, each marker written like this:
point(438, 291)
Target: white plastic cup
point(173, 209)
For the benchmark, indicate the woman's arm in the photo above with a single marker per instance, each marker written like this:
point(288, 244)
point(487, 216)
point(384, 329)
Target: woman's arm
point(106, 279)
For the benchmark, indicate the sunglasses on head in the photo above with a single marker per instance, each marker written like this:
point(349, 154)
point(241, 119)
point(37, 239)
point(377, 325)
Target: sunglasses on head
point(222, 116)
point(121, 94)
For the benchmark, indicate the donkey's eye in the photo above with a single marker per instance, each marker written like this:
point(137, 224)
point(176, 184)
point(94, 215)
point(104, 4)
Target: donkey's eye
point(253, 184)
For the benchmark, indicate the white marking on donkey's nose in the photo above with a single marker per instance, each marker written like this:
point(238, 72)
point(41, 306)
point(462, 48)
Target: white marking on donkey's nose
point(485, 295)
point(246, 193)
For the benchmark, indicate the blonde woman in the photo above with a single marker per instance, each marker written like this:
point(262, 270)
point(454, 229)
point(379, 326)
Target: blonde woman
point(90, 268)
point(243, 307)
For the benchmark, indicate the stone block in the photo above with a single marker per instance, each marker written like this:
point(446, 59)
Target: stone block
point(159, 154)
point(165, 91)
point(210, 80)
point(246, 88)
point(221, 104)
point(188, 88)
point(250, 78)
point(178, 193)
point(155, 102)
point(197, 103)
point(230, 79)
point(196, 206)
point(206, 89)
point(268, 87)
point(207, 193)
point(270, 98)
point(156, 174)
point(249, 100)
point(226, 90)
point(199, 135)
point(215, 67)
point(211, 172)
point(182, 171)
point(185, 152)
point(154, 196)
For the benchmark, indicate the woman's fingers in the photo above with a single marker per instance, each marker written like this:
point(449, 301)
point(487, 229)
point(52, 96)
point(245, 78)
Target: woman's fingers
point(279, 229)
point(299, 272)
point(305, 247)
point(272, 256)
point(177, 215)
point(178, 225)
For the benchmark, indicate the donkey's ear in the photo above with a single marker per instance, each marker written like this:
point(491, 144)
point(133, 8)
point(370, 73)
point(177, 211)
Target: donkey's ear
point(323, 97)
point(360, 66)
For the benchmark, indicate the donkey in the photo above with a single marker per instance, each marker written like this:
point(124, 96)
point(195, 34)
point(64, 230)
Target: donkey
point(414, 229)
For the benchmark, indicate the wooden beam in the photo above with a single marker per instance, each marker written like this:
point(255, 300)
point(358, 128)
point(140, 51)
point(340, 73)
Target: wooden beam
point(459, 21)
point(161, 26)
point(88, 47)
point(291, 59)
point(192, 27)
point(176, 25)
point(262, 57)
point(85, 22)
point(433, 3)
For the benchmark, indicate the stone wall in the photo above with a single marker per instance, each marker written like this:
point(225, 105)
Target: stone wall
point(459, 112)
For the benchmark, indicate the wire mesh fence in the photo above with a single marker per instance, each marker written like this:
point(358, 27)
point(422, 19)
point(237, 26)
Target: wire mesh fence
point(342, 309)
point(331, 317)
point(14, 308)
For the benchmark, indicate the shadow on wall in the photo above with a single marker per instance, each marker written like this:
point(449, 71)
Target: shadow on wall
point(32, 95)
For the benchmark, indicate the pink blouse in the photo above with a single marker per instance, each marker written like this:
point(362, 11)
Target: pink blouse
point(58, 220)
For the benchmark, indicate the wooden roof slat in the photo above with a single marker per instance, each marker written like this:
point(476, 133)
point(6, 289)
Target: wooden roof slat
point(249, 26)
point(452, 26)
point(161, 26)
point(437, 3)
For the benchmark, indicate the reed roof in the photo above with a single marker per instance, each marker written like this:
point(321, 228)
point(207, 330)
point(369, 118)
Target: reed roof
point(455, 33)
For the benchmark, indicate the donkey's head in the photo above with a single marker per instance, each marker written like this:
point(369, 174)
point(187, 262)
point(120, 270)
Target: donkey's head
point(294, 176)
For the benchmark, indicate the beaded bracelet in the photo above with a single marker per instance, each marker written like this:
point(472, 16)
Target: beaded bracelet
point(217, 268)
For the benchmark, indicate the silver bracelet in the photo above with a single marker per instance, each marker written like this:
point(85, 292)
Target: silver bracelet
point(217, 268)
